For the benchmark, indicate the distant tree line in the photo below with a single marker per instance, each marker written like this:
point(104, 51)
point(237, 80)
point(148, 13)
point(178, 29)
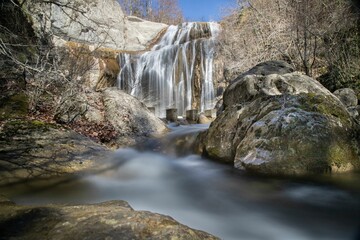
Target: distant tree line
point(165, 11)
point(319, 37)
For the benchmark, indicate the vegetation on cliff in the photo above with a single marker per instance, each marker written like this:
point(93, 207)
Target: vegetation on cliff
point(320, 38)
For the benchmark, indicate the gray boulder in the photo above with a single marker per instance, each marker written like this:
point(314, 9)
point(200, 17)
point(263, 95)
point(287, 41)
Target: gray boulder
point(282, 124)
point(108, 220)
point(355, 112)
point(131, 118)
point(347, 97)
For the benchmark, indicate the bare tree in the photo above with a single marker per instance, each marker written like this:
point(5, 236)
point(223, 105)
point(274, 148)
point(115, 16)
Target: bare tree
point(54, 76)
point(256, 31)
point(165, 11)
point(316, 36)
point(168, 11)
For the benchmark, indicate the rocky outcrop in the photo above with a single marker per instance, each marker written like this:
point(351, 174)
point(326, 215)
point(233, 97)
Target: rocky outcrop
point(108, 220)
point(99, 26)
point(130, 117)
point(282, 124)
point(100, 23)
point(34, 150)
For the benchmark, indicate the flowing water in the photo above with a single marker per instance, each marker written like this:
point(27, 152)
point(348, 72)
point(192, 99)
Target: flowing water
point(163, 176)
point(176, 73)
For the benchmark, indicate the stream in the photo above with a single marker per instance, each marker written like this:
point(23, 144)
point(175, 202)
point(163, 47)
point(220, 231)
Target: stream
point(163, 176)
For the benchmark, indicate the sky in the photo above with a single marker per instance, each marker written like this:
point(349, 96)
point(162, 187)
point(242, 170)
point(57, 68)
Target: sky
point(204, 10)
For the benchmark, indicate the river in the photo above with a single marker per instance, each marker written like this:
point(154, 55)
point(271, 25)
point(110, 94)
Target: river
point(164, 177)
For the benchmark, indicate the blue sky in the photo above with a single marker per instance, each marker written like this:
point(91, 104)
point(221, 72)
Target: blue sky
point(204, 10)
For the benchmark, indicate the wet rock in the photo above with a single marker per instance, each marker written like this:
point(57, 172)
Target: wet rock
point(204, 119)
point(108, 220)
point(282, 124)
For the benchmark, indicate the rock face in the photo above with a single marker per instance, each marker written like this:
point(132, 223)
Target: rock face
point(100, 26)
point(282, 124)
point(130, 117)
point(97, 22)
point(108, 220)
point(33, 150)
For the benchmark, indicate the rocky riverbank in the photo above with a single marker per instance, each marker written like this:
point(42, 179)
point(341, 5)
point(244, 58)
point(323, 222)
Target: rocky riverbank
point(108, 220)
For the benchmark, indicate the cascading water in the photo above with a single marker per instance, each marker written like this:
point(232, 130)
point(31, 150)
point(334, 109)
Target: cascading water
point(177, 72)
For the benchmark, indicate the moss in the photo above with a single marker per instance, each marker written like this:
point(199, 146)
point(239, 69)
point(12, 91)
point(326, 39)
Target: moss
point(15, 106)
point(337, 155)
point(318, 103)
point(17, 126)
point(342, 157)
point(39, 123)
point(213, 152)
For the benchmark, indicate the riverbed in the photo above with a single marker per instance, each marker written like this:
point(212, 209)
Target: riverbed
point(164, 176)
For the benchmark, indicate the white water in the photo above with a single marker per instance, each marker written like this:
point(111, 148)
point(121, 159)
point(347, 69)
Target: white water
point(209, 196)
point(165, 76)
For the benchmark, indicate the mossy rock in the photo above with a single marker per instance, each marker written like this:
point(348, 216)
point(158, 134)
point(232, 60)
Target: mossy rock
point(15, 106)
point(285, 124)
point(22, 127)
point(312, 102)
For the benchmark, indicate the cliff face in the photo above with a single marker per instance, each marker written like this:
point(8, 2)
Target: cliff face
point(101, 23)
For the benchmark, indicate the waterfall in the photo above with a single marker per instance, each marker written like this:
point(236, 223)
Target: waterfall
point(176, 73)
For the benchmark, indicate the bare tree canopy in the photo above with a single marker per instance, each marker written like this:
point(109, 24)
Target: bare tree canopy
point(165, 11)
point(321, 38)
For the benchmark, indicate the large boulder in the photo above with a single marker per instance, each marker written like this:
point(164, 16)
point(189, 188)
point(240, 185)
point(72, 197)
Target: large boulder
point(282, 124)
point(123, 118)
point(108, 220)
point(34, 150)
point(131, 118)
